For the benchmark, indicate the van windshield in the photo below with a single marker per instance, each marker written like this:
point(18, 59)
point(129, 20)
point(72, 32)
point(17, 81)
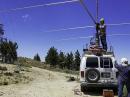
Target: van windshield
point(106, 63)
point(92, 62)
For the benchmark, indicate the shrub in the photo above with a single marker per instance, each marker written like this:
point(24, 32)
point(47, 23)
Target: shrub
point(3, 68)
point(8, 74)
point(71, 79)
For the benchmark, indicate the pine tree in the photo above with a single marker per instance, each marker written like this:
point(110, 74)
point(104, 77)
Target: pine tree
point(69, 61)
point(52, 57)
point(1, 30)
point(13, 50)
point(77, 60)
point(61, 60)
point(8, 51)
point(37, 57)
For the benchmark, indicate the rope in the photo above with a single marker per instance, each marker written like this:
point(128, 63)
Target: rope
point(41, 5)
point(97, 9)
point(86, 9)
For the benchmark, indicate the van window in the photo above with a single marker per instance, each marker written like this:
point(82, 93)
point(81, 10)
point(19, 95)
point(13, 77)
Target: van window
point(106, 63)
point(92, 62)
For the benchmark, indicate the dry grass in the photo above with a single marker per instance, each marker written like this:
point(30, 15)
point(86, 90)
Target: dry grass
point(26, 62)
point(3, 68)
point(9, 76)
point(6, 80)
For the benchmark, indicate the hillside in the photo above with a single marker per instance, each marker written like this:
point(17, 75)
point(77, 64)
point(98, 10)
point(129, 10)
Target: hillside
point(46, 84)
point(27, 62)
point(36, 79)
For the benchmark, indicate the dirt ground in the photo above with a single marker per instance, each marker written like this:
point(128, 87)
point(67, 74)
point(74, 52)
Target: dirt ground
point(45, 84)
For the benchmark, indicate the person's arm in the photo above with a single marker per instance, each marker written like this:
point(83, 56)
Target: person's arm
point(97, 27)
point(119, 67)
point(129, 73)
point(105, 28)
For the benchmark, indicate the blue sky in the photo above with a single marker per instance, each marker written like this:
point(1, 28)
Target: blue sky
point(28, 27)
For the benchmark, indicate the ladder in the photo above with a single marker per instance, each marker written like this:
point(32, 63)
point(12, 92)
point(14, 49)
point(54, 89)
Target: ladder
point(106, 65)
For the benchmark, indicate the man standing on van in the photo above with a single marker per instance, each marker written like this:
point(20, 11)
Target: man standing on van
point(102, 33)
point(123, 77)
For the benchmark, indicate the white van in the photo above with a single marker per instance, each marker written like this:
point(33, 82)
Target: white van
point(98, 71)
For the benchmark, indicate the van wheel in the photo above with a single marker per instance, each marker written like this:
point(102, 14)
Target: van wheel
point(92, 75)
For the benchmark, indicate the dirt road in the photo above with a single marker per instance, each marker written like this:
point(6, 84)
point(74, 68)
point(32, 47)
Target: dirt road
point(45, 84)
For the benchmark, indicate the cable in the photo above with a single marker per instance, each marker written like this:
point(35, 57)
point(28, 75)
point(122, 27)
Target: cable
point(41, 5)
point(119, 24)
point(75, 38)
point(83, 27)
point(118, 35)
point(86, 9)
point(72, 28)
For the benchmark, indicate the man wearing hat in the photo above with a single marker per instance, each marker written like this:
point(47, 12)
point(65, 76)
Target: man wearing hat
point(123, 77)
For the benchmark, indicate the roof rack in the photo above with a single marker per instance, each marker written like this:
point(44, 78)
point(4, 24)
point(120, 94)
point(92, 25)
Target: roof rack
point(98, 51)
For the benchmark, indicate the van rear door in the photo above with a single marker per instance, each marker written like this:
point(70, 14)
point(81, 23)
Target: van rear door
point(106, 67)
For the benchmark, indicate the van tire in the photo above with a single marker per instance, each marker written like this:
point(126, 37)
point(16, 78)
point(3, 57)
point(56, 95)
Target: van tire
point(92, 73)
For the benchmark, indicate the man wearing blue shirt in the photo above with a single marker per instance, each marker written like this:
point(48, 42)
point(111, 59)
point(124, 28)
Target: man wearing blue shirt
point(124, 77)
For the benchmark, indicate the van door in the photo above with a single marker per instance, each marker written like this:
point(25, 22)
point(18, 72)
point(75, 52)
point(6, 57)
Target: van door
point(106, 67)
point(92, 71)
